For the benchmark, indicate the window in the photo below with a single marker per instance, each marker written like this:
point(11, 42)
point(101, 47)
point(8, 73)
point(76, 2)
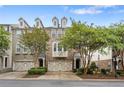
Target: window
point(5, 62)
point(25, 49)
point(8, 28)
point(55, 47)
point(59, 47)
point(65, 49)
point(21, 23)
point(53, 33)
point(37, 24)
point(54, 23)
point(18, 32)
point(18, 49)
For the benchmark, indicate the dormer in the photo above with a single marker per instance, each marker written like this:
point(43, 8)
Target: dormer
point(64, 22)
point(55, 22)
point(23, 23)
point(38, 23)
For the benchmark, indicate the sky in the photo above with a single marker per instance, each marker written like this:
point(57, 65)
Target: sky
point(102, 15)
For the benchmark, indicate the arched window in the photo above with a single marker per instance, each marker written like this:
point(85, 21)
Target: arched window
point(54, 23)
point(21, 23)
point(37, 24)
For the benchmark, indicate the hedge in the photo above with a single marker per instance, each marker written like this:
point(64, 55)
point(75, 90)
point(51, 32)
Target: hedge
point(37, 71)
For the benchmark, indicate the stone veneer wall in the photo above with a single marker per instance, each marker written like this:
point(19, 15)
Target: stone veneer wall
point(60, 66)
point(104, 64)
point(22, 66)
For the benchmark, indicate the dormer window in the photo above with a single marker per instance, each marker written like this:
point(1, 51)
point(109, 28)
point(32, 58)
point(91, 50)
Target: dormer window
point(21, 23)
point(55, 23)
point(37, 24)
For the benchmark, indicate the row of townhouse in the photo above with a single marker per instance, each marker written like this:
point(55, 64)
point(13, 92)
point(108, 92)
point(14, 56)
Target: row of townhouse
point(55, 58)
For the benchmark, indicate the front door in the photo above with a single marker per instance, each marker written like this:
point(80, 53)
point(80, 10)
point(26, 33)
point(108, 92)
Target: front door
point(40, 62)
point(77, 63)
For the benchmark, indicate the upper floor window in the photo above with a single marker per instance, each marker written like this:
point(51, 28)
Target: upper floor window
point(59, 47)
point(21, 23)
point(55, 23)
point(18, 48)
point(18, 32)
point(53, 34)
point(8, 28)
point(25, 49)
point(55, 47)
point(37, 24)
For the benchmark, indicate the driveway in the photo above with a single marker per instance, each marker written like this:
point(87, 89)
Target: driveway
point(60, 76)
point(12, 75)
point(47, 76)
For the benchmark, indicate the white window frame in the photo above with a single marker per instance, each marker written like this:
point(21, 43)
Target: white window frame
point(18, 46)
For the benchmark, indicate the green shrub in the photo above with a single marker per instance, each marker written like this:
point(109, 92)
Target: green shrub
point(80, 71)
point(43, 68)
point(90, 71)
point(103, 71)
point(33, 68)
point(37, 71)
point(93, 68)
point(120, 72)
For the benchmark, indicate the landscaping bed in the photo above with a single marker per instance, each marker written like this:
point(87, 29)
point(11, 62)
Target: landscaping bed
point(35, 72)
point(96, 73)
point(100, 77)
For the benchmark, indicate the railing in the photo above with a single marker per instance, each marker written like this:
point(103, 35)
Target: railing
point(60, 54)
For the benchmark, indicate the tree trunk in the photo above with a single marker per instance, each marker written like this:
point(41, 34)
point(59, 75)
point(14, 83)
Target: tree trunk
point(87, 65)
point(36, 64)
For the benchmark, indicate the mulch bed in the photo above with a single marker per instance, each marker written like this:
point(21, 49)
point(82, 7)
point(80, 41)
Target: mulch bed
point(31, 76)
point(99, 77)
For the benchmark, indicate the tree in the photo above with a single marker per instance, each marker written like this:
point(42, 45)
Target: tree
point(4, 40)
point(117, 30)
point(36, 41)
point(86, 39)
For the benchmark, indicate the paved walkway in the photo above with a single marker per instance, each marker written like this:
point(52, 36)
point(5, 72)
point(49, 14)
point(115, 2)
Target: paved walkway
point(12, 75)
point(60, 76)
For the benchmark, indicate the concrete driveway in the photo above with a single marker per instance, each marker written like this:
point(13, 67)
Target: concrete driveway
point(12, 75)
point(59, 76)
point(47, 76)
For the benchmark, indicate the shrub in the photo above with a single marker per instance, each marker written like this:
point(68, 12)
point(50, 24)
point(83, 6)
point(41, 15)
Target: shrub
point(120, 72)
point(37, 71)
point(80, 71)
point(92, 69)
point(103, 71)
point(93, 66)
point(74, 70)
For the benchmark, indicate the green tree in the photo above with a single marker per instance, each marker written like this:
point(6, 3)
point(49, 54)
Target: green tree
point(117, 31)
point(4, 40)
point(86, 39)
point(36, 41)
